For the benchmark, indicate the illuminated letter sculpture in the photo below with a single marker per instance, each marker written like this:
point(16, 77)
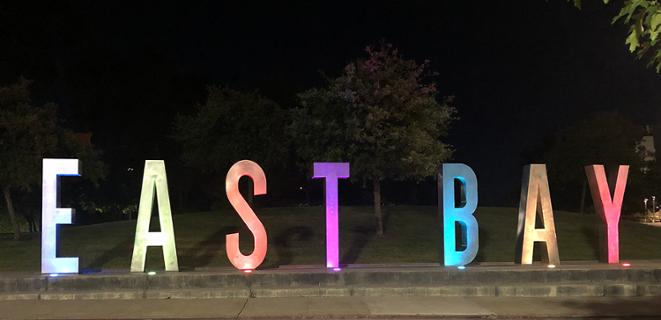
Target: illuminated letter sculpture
point(608, 209)
point(331, 171)
point(255, 172)
point(154, 178)
point(536, 201)
point(463, 216)
point(51, 215)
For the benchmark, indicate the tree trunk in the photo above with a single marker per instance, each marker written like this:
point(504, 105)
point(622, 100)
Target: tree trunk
point(376, 184)
point(12, 212)
point(583, 192)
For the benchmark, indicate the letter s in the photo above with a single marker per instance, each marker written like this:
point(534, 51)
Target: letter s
point(255, 172)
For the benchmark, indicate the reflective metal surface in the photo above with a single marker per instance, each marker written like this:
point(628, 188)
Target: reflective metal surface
point(154, 178)
point(51, 215)
point(255, 172)
point(536, 203)
point(331, 171)
point(462, 215)
point(608, 209)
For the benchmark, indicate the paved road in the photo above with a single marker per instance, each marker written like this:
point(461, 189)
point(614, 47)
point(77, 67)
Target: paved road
point(337, 308)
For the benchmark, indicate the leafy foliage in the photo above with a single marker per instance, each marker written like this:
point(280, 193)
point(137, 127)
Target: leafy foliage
point(380, 114)
point(644, 20)
point(30, 133)
point(606, 138)
point(27, 134)
point(229, 127)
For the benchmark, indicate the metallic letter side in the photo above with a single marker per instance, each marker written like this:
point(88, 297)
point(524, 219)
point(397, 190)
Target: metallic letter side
point(331, 171)
point(462, 215)
point(154, 178)
point(608, 209)
point(534, 192)
point(51, 215)
point(255, 172)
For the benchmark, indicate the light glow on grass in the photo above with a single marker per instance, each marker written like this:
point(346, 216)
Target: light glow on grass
point(551, 266)
point(247, 271)
point(461, 267)
point(626, 264)
point(337, 269)
point(151, 273)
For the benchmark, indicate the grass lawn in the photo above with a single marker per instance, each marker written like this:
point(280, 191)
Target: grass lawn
point(296, 236)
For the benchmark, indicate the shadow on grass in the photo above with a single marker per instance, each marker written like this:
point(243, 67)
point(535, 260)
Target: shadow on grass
point(386, 219)
point(592, 238)
point(118, 250)
point(483, 237)
point(361, 235)
point(25, 236)
point(283, 241)
point(201, 254)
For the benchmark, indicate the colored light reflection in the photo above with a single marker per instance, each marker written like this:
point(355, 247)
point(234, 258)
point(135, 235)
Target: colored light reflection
point(151, 273)
point(626, 264)
point(54, 275)
point(461, 267)
point(452, 215)
point(608, 209)
point(331, 172)
point(247, 271)
point(551, 266)
point(337, 269)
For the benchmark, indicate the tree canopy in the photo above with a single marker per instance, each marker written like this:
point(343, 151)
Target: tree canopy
point(643, 17)
point(29, 133)
point(231, 126)
point(607, 138)
point(381, 114)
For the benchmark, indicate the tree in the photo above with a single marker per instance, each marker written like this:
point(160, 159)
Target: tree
point(606, 138)
point(231, 126)
point(643, 18)
point(28, 134)
point(382, 115)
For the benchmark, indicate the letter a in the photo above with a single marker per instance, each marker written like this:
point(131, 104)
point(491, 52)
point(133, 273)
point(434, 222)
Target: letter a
point(459, 215)
point(255, 172)
point(154, 178)
point(51, 215)
point(536, 201)
point(331, 171)
point(608, 209)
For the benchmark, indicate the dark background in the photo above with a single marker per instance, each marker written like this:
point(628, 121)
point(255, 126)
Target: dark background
point(519, 70)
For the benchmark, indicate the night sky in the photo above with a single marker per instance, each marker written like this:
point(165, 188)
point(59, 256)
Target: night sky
point(519, 69)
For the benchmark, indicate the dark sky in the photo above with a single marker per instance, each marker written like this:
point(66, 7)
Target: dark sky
point(518, 69)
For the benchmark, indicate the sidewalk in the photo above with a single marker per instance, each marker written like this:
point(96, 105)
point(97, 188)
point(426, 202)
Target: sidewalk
point(337, 308)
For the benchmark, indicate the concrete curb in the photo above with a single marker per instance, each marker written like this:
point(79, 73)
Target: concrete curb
point(509, 281)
